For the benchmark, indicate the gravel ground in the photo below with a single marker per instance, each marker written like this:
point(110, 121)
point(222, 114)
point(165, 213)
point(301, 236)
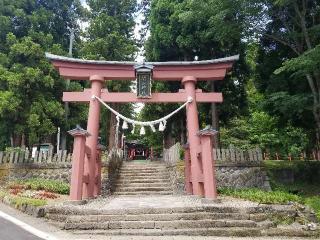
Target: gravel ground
point(156, 201)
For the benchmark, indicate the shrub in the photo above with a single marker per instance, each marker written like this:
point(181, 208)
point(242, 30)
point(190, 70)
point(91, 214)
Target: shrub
point(47, 185)
point(261, 196)
point(314, 202)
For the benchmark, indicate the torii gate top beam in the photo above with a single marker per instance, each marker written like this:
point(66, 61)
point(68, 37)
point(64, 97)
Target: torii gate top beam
point(79, 69)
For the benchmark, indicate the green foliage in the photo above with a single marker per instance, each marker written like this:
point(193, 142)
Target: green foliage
point(260, 129)
point(305, 175)
point(30, 89)
point(110, 36)
point(288, 64)
point(19, 201)
point(302, 65)
point(314, 202)
point(261, 196)
point(45, 184)
point(110, 33)
point(306, 184)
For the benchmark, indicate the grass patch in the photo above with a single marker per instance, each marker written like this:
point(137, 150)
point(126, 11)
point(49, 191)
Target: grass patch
point(281, 164)
point(18, 201)
point(314, 202)
point(44, 184)
point(257, 195)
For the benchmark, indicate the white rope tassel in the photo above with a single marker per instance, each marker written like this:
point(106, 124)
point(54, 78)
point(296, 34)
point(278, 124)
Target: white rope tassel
point(142, 131)
point(125, 125)
point(133, 128)
point(161, 127)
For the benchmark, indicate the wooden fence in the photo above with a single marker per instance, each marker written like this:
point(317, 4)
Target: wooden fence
point(236, 156)
point(313, 155)
point(25, 156)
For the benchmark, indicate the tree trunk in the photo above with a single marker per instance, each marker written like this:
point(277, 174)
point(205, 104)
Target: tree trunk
point(214, 118)
point(112, 128)
point(23, 140)
point(182, 132)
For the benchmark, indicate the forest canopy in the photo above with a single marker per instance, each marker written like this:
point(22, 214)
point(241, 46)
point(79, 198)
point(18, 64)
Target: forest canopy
point(271, 96)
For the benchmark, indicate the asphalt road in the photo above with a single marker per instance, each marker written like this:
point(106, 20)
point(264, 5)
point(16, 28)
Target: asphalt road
point(10, 231)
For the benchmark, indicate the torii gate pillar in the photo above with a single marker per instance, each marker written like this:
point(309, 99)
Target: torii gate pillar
point(189, 83)
point(92, 140)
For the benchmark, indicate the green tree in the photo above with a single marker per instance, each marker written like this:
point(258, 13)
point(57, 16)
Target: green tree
point(206, 29)
point(30, 88)
point(110, 36)
point(289, 48)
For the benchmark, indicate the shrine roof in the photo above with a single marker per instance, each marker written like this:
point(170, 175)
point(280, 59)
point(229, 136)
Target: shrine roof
point(131, 63)
point(82, 69)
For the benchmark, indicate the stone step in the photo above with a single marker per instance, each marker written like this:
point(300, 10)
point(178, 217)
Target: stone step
point(142, 188)
point(143, 170)
point(146, 179)
point(230, 232)
point(150, 165)
point(142, 184)
point(142, 180)
point(291, 232)
point(141, 174)
point(177, 224)
point(151, 169)
point(149, 217)
point(154, 175)
point(74, 210)
point(142, 193)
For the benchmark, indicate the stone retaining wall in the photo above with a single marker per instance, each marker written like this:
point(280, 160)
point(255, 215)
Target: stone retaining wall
point(242, 177)
point(234, 168)
point(60, 171)
point(10, 172)
point(227, 176)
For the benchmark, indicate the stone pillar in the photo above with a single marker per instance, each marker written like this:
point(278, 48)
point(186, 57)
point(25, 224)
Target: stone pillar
point(208, 162)
point(189, 83)
point(187, 169)
point(78, 155)
point(92, 141)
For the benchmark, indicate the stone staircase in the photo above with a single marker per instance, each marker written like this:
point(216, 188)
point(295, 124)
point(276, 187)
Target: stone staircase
point(171, 221)
point(143, 205)
point(143, 178)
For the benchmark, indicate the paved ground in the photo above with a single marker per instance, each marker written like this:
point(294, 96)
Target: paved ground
point(160, 201)
point(10, 231)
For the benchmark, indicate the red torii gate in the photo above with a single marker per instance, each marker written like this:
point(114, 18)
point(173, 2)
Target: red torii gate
point(86, 165)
